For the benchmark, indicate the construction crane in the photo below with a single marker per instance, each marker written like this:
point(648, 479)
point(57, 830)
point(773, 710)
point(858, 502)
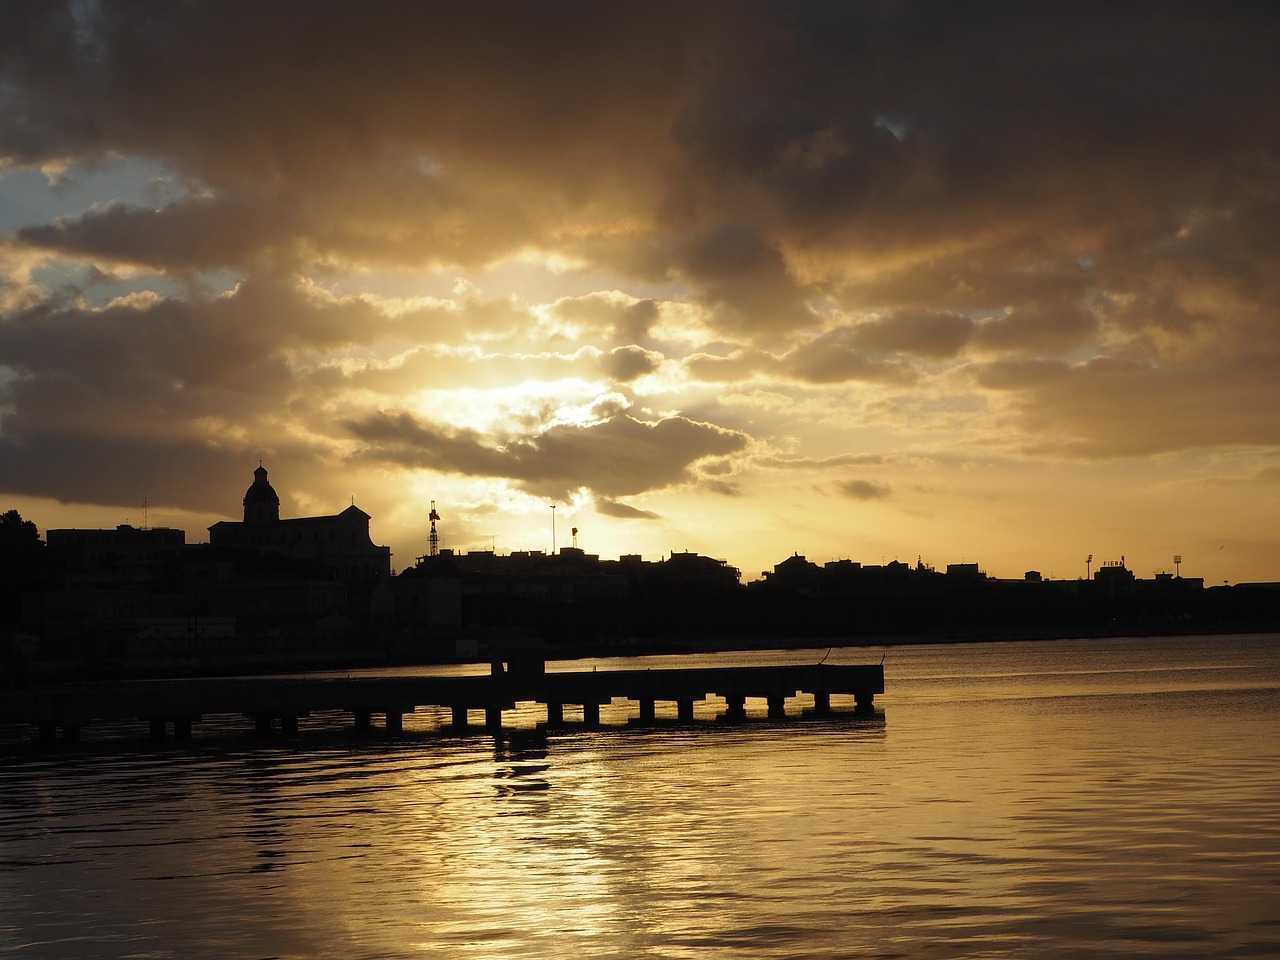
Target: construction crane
point(434, 539)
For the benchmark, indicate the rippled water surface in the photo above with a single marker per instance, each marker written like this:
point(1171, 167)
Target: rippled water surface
point(1113, 798)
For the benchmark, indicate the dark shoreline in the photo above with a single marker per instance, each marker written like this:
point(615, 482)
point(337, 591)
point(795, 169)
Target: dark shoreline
point(23, 675)
point(696, 645)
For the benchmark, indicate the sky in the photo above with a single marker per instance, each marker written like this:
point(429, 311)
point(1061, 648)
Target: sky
point(967, 282)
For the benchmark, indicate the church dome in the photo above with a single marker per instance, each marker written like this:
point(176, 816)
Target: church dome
point(261, 503)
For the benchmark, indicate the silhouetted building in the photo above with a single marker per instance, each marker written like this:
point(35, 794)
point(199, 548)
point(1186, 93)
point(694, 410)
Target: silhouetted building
point(795, 574)
point(109, 579)
point(1114, 578)
point(692, 573)
point(126, 554)
point(341, 542)
point(1167, 583)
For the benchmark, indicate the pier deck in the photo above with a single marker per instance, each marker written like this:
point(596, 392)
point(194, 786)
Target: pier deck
point(70, 707)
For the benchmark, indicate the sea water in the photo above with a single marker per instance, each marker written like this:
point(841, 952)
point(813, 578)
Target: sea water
point(1088, 798)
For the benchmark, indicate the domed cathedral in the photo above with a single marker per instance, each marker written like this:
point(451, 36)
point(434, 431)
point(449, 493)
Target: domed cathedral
point(261, 502)
point(341, 541)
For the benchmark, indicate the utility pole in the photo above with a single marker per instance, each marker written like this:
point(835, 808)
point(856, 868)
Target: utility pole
point(553, 529)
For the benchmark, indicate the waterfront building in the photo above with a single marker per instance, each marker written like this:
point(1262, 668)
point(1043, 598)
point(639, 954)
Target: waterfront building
point(341, 541)
point(124, 555)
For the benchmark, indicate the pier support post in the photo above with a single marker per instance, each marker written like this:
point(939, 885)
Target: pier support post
point(591, 714)
point(864, 702)
point(288, 725)
point(459, 717)
point(364, 722)
point(262, 726)
point(822, 704)
point(493, 718)
point(555, 714)
point(395, 721)
point(157, 729)
point(647, 712)
point(48, 733)
point(182, 730)
point(71, 733)
point(684, 711)
point(777, 707)
point(737, 709)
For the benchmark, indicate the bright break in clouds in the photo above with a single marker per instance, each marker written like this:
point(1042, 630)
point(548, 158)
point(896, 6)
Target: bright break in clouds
point(969, 281)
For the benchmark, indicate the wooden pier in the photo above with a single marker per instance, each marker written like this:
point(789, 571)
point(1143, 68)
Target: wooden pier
point(284, 701)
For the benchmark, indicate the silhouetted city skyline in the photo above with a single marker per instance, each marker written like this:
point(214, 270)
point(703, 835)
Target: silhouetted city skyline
point(270, 589)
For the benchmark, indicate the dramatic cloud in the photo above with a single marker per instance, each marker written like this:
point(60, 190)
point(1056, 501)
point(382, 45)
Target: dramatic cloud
point(628, 363)
point(924, 333)
point(863, 489)
point(824, 463)
point(194, 234)
point(834, 357)
point(614, 458)
point(593, 247)
point(612, 508)
point(1115, 408)
point(620, 318)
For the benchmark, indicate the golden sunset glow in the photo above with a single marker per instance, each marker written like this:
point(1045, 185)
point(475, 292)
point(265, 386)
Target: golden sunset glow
point(743, 279)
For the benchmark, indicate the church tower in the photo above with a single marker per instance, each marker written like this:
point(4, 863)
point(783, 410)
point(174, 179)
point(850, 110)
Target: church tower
point(261, 505)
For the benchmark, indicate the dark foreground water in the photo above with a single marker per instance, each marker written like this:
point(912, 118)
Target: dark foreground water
point(1111, 798)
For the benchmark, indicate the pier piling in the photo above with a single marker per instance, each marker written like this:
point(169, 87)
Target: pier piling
point(493, 718)
point(736, 710)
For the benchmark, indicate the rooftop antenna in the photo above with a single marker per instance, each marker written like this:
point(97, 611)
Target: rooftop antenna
point(434, 538)
point(553, 529)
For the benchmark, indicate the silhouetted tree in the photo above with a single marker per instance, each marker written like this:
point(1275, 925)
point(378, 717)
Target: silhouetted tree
point(23, 564)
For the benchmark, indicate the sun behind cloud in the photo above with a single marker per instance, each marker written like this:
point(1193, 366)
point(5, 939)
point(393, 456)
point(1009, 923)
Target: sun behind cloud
point(746, 278)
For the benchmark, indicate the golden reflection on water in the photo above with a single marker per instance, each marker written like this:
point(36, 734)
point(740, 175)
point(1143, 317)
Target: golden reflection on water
point(534, 844)
point(1000, 805)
